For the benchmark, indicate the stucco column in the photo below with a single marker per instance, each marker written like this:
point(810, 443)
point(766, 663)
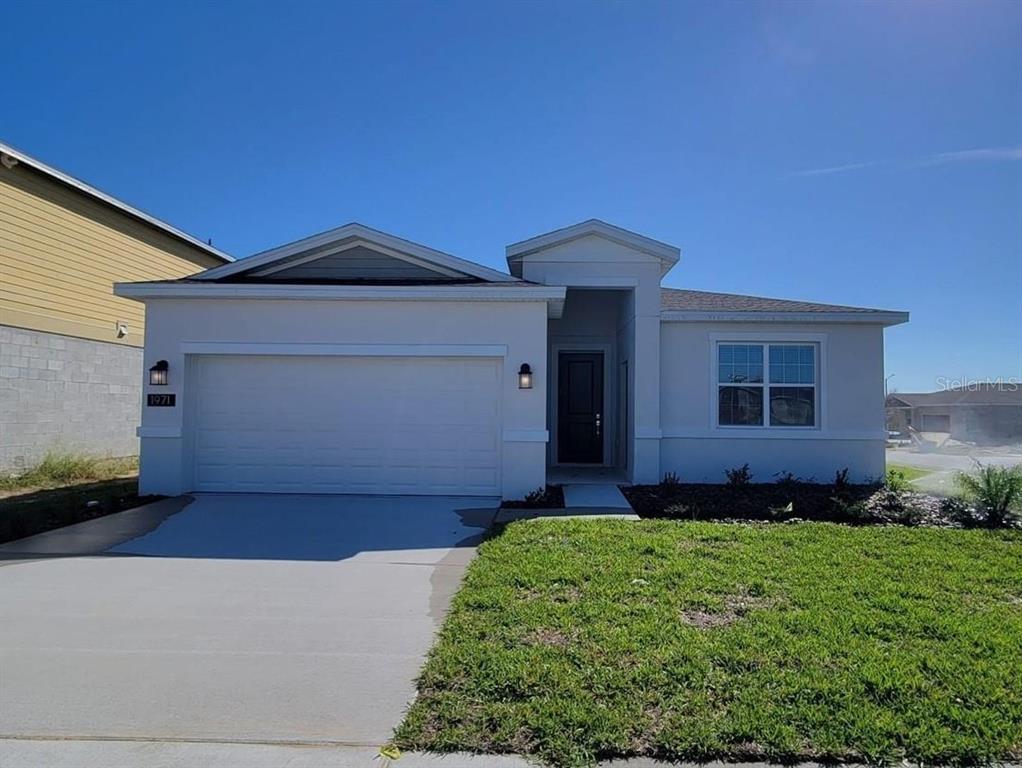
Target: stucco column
point(646, 408)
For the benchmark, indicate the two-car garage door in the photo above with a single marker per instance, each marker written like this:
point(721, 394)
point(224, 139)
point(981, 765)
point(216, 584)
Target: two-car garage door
point(398, 425)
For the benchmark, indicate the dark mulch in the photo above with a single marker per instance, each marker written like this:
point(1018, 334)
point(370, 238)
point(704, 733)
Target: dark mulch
point(788, 500)
point(550, 497)
point(40, 510)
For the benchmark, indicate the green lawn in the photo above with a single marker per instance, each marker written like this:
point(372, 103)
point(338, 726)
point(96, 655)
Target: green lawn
point(577, 640)
point(909, 473)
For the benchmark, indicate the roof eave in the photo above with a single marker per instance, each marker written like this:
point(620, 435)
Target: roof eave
point(552, 295)
point(885, 319)
point(91, 191)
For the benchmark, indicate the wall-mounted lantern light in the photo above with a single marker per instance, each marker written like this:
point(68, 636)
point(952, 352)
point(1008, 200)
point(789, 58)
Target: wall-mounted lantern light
point(158, 374)
point(525, 377)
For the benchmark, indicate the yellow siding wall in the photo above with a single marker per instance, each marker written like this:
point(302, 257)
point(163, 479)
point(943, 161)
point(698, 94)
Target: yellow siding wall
point(61, 252)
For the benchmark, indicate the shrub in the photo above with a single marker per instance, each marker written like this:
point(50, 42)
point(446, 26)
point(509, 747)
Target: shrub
point(671, 480)
point(896, 480)
point(996, 492)
point(739, 475)
point(841, 482)
point(537, 496)
point(678, 511)
point(785, 478)
point(550, 497)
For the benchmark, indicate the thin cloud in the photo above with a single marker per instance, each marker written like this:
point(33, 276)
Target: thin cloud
point(982, 154)
point(836, 169)
point(974, 155)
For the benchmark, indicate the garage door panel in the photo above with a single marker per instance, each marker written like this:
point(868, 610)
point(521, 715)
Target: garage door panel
point(354, 425)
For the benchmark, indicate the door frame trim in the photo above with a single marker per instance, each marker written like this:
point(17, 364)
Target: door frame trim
point(610, 415)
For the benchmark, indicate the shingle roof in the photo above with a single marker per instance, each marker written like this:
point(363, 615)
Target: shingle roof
point(705, 301)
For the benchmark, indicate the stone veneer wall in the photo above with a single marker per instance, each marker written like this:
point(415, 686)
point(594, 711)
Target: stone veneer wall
point(64, 393)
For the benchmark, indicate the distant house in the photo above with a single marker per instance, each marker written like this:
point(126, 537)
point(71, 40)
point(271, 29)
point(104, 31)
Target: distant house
point(988, 414)
point(71, 351)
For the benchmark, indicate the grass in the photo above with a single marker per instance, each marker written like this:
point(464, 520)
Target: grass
point(59, 469)
point(573, 641)
point(63, 489)
point(909, 474)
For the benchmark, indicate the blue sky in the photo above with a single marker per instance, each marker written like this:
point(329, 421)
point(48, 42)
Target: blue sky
point(859, 153)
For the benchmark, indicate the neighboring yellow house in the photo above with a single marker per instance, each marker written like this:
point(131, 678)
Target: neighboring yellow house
point(71, 351)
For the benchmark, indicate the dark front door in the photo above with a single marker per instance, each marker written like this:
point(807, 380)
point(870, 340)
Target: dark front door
point(580, 408)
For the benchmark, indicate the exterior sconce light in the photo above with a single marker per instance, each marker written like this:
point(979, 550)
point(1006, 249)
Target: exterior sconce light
point(525, 377)
point(158, 374)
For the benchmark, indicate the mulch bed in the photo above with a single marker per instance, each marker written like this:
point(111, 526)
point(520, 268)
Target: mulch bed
point(551, 497)
point(784, 501)
point(36, 511)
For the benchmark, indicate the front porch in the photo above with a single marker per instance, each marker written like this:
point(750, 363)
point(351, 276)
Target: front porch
point(587, 475)
point(588, 394)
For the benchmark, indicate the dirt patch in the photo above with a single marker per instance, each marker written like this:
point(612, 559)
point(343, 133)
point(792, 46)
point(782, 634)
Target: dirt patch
point(553, 638)
point(734, 609)
point(555, 593)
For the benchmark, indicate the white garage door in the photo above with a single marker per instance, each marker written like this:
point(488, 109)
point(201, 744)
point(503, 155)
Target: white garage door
point(346, 425)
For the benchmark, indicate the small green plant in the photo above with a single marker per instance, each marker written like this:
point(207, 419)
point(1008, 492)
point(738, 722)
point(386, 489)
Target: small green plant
point(670, 481)
point(996, 492)
point(679, 511)
point(739, 475)
point(841, 481)
point(896, 480)
point(536, 497)
point(785, 478)
point(850, 509)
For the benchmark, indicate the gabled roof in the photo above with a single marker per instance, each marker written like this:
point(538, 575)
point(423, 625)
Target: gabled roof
point(9, 154)
point(981, 393)
point(323, 243)
point(668, 254)
point(681, 304)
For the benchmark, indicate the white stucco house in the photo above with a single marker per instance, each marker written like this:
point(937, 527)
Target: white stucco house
point(357, 362)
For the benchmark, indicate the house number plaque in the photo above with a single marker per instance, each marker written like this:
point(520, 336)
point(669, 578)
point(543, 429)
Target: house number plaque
point(161, 401)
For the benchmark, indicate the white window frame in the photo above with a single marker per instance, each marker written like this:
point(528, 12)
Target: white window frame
point(765, 340)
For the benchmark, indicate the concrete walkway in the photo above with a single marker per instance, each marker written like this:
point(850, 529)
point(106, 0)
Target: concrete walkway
point(83, 754)
point(592, 496)
point(156, 636)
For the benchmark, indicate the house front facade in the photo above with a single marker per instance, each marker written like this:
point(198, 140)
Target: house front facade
point(357, 362)
point(71, 351)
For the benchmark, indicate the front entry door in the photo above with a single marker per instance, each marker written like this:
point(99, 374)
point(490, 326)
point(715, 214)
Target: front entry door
point(580, 415)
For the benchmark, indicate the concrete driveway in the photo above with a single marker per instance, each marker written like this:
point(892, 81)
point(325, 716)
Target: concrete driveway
point(230, 618)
